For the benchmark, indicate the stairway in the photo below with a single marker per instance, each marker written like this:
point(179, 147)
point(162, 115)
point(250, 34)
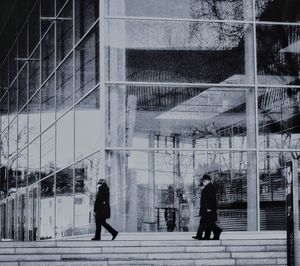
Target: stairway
point(238, 248)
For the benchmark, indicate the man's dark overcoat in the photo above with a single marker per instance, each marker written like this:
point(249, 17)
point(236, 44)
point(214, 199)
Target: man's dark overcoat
point(208, 201)
point(102, 207)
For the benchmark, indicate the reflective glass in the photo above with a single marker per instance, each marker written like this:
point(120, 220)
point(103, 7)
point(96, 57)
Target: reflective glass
point(3, 182)
point(22, 216)
point(191, 9)
point(144, 116)
point(4, 144)
point(13, 137)
point(277, 11)
point(279, 118)
point(272, 190)
point(22, 169)
point(34, 27)
point(34, 116)
point(47, 10)
point(32, 213)
point(64, 203)
point(278, 50)
point(3, 220)
point(34, 158)
point(169, 51)
point(86, 13)
point(48, 152)
point(87, 174)
point(4, 111)
point(87, 64)
point(47, 104)
point(34, 72)
point(12, 176)
point(4, 75)
point(60, 4)
point(22, 87)
point(11, 218)
point(22, 47)
point(47, 207)
point(64, 32)
point(13, 62)
point(159, 190)
point(22, 128)
point(48, 55)
point(87, 133)
point(65, 140)
point(64, 86)
point(13, 105)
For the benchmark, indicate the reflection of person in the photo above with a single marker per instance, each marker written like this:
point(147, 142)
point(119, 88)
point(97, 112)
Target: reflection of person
point(208, 211)
point(102, 211)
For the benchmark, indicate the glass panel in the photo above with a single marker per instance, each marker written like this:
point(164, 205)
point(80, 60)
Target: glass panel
point(87, 64)
point(167, 51)
point(11, 214)
point(278, 50)
point(60, 4)
point(64, 203)
point(65, 140)
point(87, 133)
point(4, 144)
point(4, 111)
point(279, 115)
point(3, 220)
point(3, 183)
point(22, 88)
point(22, 218)
point(64, 86)
point(48, 152)
point(34, 72)
point(34, 116)
point(199, 117)
point(272, 190)
point(13, 95)
point(191, 9)
point(4, 75)
point(87, 174)
point(12, 177)
point(48, 54)
point(13, 137)
point(32, 213)
point(22, 169)
point(34, 27)
point(64, 32)
point(159, 190)
point(278, 11)
point(22, 128)
point(47, 104)
point(22, 46)
point(34, 161)
point(86, 13)
point(13, 62)
point(47, 209)
point(47, 10)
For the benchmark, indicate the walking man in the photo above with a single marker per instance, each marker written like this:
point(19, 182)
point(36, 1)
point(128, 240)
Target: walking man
point(208, 211)
point(102, 211)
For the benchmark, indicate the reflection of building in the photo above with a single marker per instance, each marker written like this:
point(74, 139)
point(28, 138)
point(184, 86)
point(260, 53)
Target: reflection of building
point(149, 94)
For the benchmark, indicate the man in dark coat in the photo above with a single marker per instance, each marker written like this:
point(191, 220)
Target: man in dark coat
point(208, 211)
point(102, 211)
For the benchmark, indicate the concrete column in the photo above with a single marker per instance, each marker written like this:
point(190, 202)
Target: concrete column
point(252, 203)
point(151, 179)
point(117, 117)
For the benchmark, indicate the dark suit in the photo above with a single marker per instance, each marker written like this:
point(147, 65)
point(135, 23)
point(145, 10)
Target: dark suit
point(208, 211)
point(102, 211)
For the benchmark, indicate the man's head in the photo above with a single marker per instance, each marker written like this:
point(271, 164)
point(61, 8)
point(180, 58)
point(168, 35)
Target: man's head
point(206, 179)
point(101, 181)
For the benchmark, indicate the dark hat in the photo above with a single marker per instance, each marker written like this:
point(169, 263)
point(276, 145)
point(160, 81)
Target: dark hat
point(206, 177)
point(101, 181)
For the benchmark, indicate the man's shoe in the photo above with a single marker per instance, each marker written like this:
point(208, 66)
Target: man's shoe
point(94, 238)
point(115, 235)
point(197, 238)
point(217, 236)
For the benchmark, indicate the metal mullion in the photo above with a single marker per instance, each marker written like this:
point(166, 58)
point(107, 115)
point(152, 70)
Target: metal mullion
point(131, 18)
point(256, 116)
point(74, 113)
point(103, 87)
point(55, 116)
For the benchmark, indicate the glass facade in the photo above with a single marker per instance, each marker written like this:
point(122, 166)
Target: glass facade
point(151, 95)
